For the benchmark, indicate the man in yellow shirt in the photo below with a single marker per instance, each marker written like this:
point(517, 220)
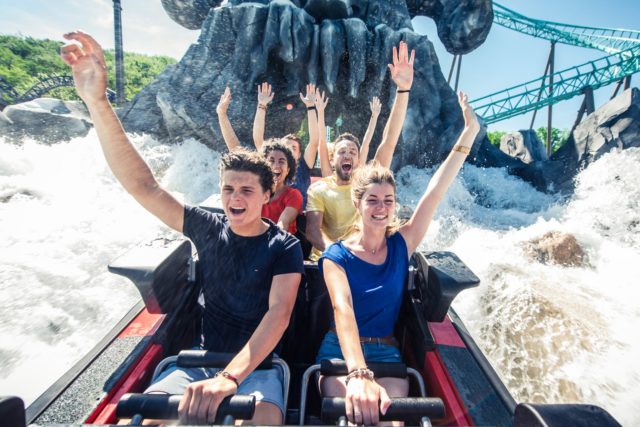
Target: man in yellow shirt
point(330, 211)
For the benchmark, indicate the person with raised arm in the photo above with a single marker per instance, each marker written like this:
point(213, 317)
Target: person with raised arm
point(285, 203)
point(330, 212)
point(250, 268)
point(365, 276)
point(303, 171)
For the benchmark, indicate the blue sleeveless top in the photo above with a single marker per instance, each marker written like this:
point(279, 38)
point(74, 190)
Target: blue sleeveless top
point(376, 290)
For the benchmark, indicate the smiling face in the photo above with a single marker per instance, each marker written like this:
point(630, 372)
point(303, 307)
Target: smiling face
point(242, 199)
point(345, 159)
point(279, 165)
point(377, 206)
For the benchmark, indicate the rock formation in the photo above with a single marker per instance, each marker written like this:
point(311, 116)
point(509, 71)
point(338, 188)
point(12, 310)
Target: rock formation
point(523, 145)
point(45, 119)
point(557, 248)
point(343, 46)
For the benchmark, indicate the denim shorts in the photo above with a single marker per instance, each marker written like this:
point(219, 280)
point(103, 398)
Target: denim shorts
point(373, 352)
point(265, 384)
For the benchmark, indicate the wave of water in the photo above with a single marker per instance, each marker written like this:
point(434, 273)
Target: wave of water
point(554, 334)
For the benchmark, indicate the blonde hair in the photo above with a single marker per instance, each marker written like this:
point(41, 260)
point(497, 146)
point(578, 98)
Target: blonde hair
point(362, 178)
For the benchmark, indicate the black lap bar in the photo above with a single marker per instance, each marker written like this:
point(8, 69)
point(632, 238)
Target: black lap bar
point(210, 359)
point(165, 406)
point(380, 369)
point(407, 409)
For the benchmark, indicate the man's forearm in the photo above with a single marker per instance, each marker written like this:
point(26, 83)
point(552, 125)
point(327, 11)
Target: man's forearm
point(262, 342)
point(391, 134)
point(123, 159)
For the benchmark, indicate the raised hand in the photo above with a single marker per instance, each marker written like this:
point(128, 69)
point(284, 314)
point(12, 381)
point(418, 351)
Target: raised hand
point(321, 101)
point(375, 105)
point(88, 67)
point(470, 119)
point(224, 102)
point(402, 67)
point(310, 98)
point(265, 96)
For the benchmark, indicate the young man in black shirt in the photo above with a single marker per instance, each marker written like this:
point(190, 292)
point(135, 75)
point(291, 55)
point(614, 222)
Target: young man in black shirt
point(251, 269)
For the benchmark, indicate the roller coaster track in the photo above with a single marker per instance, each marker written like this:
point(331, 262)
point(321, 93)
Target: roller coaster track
point(571, 82)
point(8, 94)
point(623, 61)
point(605, 39)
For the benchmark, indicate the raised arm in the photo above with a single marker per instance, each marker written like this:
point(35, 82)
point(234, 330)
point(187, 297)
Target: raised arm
point(228, 134)
point(265, 96)
point(363, 395)
point(201, 399)
point(375, 107)
point(402, 76)
point(323, 151)
point(90, 76)
point(415, 229)
point(309, 101)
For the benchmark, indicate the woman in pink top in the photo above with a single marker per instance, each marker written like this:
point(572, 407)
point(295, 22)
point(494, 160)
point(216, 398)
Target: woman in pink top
point(286, 202)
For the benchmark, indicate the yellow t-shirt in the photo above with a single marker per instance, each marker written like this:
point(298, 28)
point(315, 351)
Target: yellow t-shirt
point(338, 211)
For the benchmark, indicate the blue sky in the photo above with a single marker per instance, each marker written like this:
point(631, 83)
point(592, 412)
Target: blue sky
point(507, 58)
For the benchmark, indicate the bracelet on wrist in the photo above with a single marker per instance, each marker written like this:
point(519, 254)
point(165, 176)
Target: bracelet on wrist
point(228, 376)
point(364, 373)
point(461, 149)
point(262, 107)
point(313, 107)
point(403, 90)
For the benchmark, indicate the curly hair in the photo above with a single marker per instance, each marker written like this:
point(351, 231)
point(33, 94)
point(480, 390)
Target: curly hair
point(293, 137)
point(243, 160)
point(275, 145)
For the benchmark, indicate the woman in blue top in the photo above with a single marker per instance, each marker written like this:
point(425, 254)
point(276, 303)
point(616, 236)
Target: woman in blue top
point(365, 275)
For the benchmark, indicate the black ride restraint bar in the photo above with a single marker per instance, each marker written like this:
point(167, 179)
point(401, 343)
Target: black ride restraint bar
point(411, 410)
point(210, 359)
point(165, 407)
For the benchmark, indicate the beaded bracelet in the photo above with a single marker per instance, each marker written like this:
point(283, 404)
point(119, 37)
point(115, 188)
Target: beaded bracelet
point(228, 376)
point(359, 373)
point(262, 107)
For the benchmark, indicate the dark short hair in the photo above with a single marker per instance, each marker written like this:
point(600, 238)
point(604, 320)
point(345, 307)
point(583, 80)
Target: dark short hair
point(281, 146)
point(349, 137)
point(243, 160)
point(293, 137)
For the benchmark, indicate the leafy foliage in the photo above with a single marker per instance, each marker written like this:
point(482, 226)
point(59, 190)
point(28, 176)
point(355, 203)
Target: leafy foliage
point(495, 137)
point(558, 137)
point(24, 61)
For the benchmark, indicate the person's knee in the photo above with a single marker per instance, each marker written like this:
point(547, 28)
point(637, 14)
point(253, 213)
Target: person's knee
point(265, 414)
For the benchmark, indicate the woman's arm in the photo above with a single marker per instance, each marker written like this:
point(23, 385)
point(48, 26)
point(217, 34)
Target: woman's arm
point(363, 395)
point(368, 135)
point(415, 229)
point(293, 206)
point(228, 134)
point(264, 98)
point(323, 151)
point(309, 101)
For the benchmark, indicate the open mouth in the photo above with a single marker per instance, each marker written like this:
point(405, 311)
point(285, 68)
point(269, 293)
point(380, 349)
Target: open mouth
point(236, 211)
point(276, 175)
point(346, 167)
point(379, 217)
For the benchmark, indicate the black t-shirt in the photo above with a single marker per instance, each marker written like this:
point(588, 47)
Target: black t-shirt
point(236, 274)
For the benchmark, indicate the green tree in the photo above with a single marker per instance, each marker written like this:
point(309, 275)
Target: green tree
point(24, 61)
point(558, 137)
point(495, 137)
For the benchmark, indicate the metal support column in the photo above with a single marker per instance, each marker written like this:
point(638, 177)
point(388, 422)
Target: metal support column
point(119, 56)
point(550, 113)
point(545, 73)
point(587, 107)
